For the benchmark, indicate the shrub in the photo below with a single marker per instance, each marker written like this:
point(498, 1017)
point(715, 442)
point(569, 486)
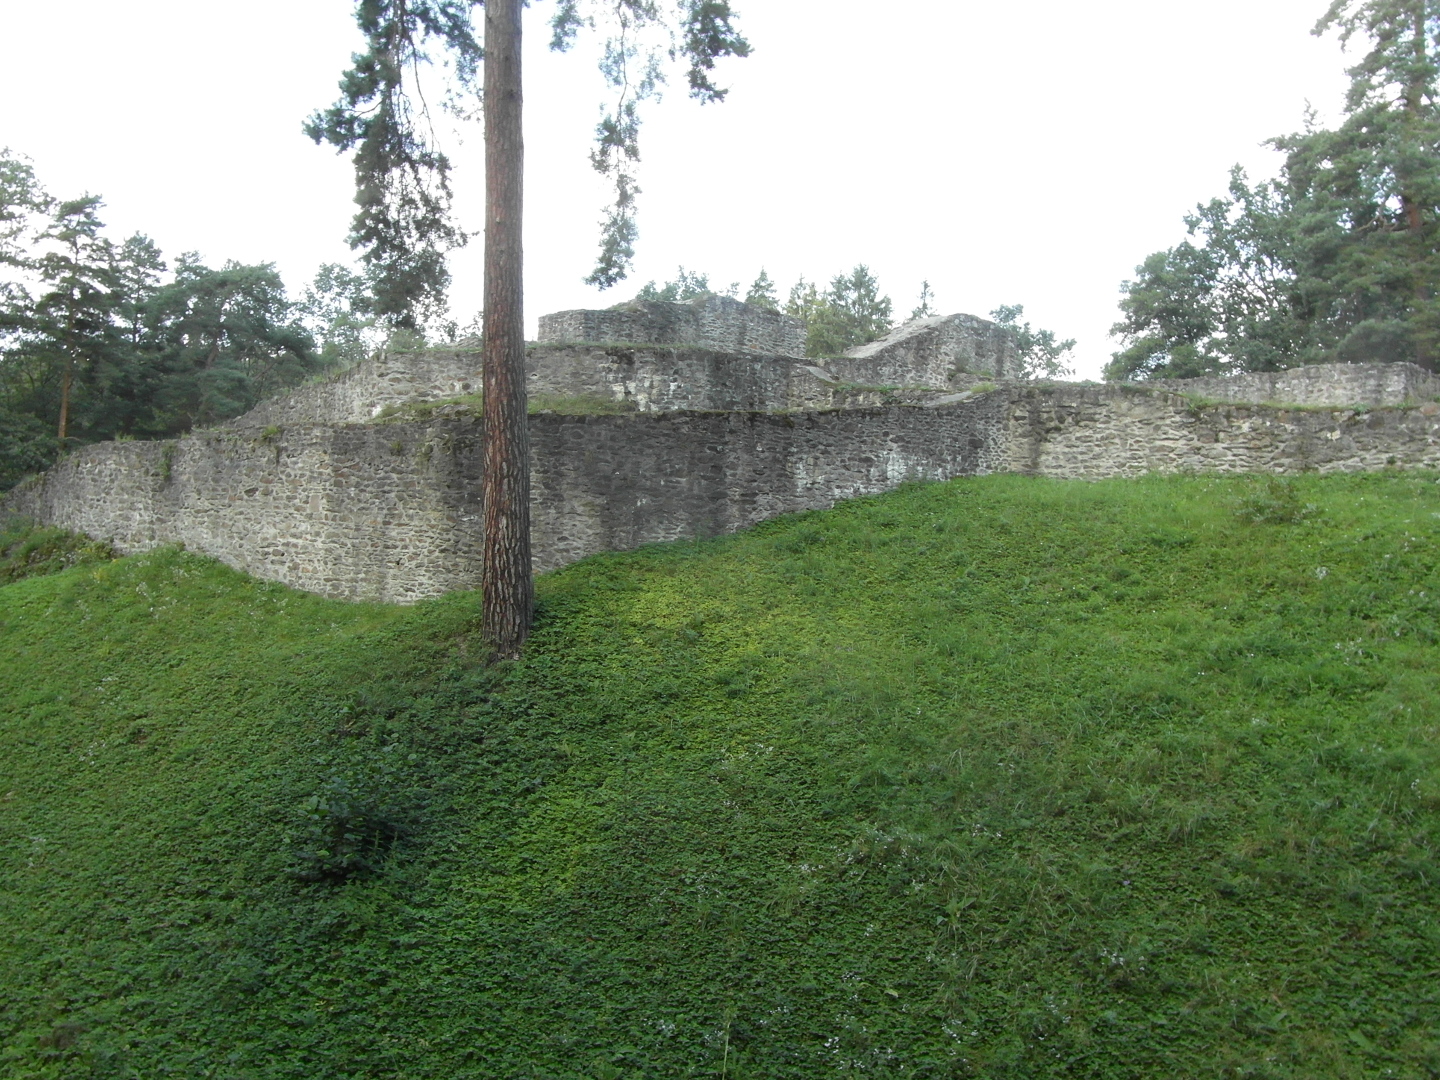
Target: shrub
point(1274, 501)
point(346, 827)
point(29, 551)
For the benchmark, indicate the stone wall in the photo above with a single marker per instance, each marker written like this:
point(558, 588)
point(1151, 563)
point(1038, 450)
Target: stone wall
point(711, 322)
point(1316, 384)
point(355, 512)
point(942, 353)
point(365, 390)
point(662, 379)
point(392, 512)
point(1097, 431)
point(646, 379)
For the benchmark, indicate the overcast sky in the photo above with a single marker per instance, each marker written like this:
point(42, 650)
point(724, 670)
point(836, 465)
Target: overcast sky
point(1018, 153)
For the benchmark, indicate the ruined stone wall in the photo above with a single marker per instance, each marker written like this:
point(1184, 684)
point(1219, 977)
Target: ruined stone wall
point(647, 379)
point(711, 322)
point(1095, 431)
point(1316, 384)
point(392, 511)
point(353, 512)
point(943, 352)
point(661, 379)
point(365, 390)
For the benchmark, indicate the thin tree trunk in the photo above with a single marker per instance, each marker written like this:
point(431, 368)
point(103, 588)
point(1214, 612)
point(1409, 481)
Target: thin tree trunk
point(1414, 99)
point(507, 585)
point(69, 367)
point(64, 401)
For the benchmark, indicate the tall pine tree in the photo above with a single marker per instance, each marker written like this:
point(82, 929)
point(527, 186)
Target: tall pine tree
point(402, 185)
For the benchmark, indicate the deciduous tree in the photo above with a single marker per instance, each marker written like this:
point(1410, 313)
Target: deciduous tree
point(1337, 259)
point(1041, 353)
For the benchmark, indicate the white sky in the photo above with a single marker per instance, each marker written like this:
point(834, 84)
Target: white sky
point(1009, 153)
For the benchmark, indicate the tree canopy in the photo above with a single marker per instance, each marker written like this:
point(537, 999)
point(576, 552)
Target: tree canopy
point(100, 339)
point(404, 227)
point(1336, 258)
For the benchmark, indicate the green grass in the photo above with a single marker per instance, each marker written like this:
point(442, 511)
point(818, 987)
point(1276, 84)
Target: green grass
point(1003, 777)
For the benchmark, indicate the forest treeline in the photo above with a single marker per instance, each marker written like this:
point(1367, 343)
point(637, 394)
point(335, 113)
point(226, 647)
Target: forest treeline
point(101, 338)
point(1336, 258)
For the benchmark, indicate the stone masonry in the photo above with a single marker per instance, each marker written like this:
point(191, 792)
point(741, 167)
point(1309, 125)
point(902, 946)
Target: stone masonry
point(947, 352)
point(1316, 384)
point(712, 322)
point(311, 490)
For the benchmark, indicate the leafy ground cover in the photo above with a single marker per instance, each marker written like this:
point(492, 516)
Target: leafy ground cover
point(1003, 777)
point(26, 551)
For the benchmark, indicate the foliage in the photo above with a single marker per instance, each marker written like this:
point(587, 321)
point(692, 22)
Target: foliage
point(1273, 501)
point(347, 827)
point(1004, 777)
point(103, 335)
point(403, 228)
point(1337, 258)
point(1231, 302)
point(640, 39)
point(925, 306)
point(685, 285)
point(229, 338)
point(26, 446)
point(1041, 354)
point(23, 202)
point(850, 312)
point(336, 310)
point(29, 551)
point(761, 293)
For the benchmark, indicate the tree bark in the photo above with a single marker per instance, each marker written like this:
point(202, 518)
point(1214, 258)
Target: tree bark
point(64, 402)
point(508, 588)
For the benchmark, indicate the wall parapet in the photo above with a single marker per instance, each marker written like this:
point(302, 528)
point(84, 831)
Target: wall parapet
point(364, 391)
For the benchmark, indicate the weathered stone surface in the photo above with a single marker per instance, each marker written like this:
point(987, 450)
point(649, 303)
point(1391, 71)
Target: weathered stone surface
point(1095, 431)
point(306, 490)
point(653, 378)
point(392, 512)
point(946, 352)
point(1316, 384)
point(711, 322)
point(361, 392)
point(661, 379)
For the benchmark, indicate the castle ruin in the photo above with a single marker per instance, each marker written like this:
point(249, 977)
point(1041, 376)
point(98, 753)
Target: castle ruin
point(658, 421)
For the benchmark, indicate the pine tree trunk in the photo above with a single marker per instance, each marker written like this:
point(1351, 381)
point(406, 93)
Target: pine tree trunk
point(64, 402)
point(506, 583)
point(1414, 100)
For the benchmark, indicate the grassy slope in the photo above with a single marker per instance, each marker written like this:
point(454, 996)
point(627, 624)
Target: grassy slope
point(1003, 777)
